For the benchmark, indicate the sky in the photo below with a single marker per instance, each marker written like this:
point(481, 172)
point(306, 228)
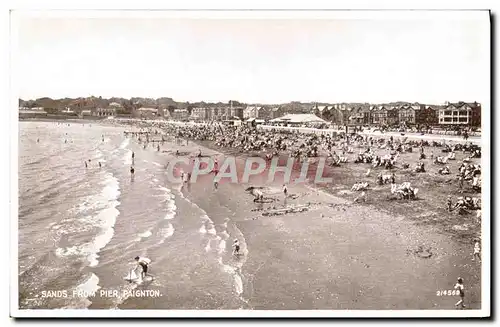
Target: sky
point(421, 58)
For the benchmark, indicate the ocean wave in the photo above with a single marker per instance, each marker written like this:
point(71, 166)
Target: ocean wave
point(166, 232)
point(88, 287)
point(146, 234)
point(211, 230)
point(127, 158)
point(124, 143)
point(238, 281)
point(222, 247)
point(104, 220)
point(171, 212)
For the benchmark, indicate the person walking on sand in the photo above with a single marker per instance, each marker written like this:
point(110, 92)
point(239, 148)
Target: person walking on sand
point(285, 190)
point(460, 287)
point(449, 203)
point(477, 251)
point(460, 183)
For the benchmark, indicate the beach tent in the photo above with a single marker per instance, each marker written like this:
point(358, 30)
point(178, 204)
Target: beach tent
point(298, 119)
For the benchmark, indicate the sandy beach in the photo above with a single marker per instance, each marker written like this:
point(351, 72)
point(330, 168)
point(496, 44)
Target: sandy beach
point(341, 255)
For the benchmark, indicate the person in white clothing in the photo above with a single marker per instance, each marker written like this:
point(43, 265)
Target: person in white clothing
point(144, 263)
point(460, 287)
point(477, 251)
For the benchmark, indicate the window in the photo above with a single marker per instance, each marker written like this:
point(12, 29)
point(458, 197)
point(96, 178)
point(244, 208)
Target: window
point(447, 119)
point(463, 119)
point(447, 112)
point(455, 113)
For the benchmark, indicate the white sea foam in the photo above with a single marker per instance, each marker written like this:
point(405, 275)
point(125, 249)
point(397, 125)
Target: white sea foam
point(90, 285)
point(145, 234)
point(166, 232)
point(211, 230)
point(84, 291)
point(157, 164)
point(155, 180)
point(225, 234)
point(238, 282)
point(100, 241)
point(222, 246)
point(171, 205)
point(203, 229)
point(70, 251)
point(207, 247)
point(105, 220)
point(127, 158)
point(125, 143)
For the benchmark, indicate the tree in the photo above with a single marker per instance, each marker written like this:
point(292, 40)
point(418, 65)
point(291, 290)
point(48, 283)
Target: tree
point(171, 109)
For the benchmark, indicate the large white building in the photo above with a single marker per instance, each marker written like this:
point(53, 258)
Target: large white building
point(461, 113)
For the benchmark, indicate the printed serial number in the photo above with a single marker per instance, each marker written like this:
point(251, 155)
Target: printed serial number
point(448, 293)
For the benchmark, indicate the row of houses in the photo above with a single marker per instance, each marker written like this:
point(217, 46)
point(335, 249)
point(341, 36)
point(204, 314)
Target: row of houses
point(461, 113)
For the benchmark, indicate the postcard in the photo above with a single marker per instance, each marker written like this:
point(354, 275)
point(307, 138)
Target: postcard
point(250, 163)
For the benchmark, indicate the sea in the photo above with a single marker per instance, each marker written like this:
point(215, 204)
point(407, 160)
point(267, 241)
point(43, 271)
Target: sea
point(83, 219)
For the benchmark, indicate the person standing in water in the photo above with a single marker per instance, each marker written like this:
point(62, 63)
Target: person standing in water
point(132, 172)
point(144, 263)
point(236, 247)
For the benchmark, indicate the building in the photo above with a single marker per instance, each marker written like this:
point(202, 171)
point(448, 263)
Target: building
point(147, 113)
point(103, 112)
point(427, 115)
point(180, 114)
point(276, 112)
point(461, 113)
point(384, 115)
point(200, 113)
point(31, 112)
point(85, 113)
point(237, 112)
point(360, 116)
point(256, 112)
point(407, 114)
point(251, 112)
point(339, 114)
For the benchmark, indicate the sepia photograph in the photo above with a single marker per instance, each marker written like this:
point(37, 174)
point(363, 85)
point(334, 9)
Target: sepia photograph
point(259, 163)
